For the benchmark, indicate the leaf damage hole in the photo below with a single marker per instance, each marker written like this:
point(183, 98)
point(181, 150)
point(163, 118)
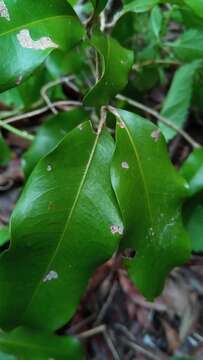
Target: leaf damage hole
point(125, 165)
point(116, 229)
point(27, 42)
point(52, 275)
point(4, 11)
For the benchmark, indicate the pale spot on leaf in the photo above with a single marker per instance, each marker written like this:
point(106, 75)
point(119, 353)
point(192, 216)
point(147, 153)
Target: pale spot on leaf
point(52, 275)
point(122, 124)
point(125, 165)
point(155, 135)
point(49, 168)
point(4, 11)
point(27, 42)
point(115, 229)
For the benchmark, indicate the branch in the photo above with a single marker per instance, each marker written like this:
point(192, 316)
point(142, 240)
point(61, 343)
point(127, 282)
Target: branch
point(23, 134)
point(162, 119)
point(63, 105)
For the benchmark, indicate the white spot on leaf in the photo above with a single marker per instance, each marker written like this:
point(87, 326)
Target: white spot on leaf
point(49, 168)
point(115, 229)
point(27, 42)
point(125, 165)
point(4, 11)
point(156, 135)
point(52, 275)
point(122, 124)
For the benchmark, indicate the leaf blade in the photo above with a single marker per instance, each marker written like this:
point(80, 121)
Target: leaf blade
point(151, 210)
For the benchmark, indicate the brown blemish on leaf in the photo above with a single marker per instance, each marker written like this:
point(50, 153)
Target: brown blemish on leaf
point(27, 42)
point(4, 11)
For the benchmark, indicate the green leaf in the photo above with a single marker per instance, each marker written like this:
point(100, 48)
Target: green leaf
point(5, 153)
point(140, 5)
point(177, 102)
point(99, 6)
point(156, 21)
point(48, 136)
point(27, 344)
point(64, 226)
point(192, 170)
point(150, 193)
point(116, 64)
point(29, 31)
point(196, 5)
point(189, 46)
point(4, 235)
point(27, 93)
point(193, 218)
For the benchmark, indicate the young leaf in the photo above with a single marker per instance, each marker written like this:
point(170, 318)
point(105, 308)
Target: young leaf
point(177, 102)
point(140, 5)
point(150, 194)
point(192, 170)
point(65, 224)
point(27, 344)
point(189, 46)
point(156, 21)
point(116, 64)
point(29, 31)
point(49, 135)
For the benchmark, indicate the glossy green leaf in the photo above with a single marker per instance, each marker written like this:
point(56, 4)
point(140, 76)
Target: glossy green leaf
point(5, 153)
point(99, 6)
point(27, 93)
point(27, 344)
point(116, 64)
point(65, 224)
point(140, 5)
point(4, 235)
point(29, 31)
point(150, 193)
point(192, 170)
point(48, 136)
point(189, 46)
point(176, 105)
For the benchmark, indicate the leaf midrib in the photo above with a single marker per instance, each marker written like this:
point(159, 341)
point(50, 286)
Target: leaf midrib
point(142, 175)
point(67, 222)
point(27, 25)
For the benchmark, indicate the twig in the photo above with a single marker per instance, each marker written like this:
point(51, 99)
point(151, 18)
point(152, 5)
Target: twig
point(138, 66)
point(162, 119)
point(51, 84)
point(106, 304)
point(139, 349)
point(74, 328)
point(92, 332)
point(111, 345)
point(24, 134)
point(64, 105)
point(103, 114)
